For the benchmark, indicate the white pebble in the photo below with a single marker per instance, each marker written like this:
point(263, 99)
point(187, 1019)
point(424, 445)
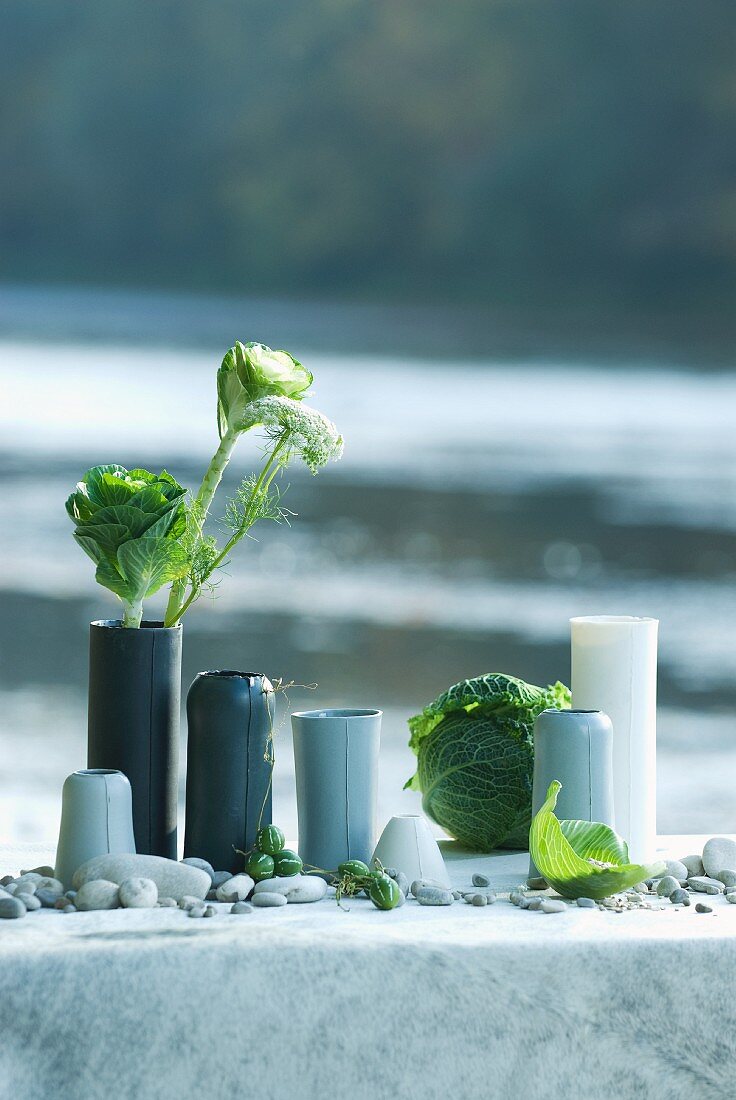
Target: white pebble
point(138, 893)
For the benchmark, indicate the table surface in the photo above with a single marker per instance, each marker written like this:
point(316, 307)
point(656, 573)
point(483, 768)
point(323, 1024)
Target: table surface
point(553, 995)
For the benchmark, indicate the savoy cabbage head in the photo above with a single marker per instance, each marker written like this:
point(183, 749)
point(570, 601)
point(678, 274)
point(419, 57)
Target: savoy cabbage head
point(475, 758)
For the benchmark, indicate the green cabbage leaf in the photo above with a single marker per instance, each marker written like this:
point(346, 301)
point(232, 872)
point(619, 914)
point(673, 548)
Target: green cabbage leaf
point(475, 758)
point(583, 858)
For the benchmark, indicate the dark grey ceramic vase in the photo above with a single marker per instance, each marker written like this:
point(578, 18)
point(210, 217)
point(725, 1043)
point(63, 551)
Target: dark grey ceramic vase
point(133, 721)
point(230, 719)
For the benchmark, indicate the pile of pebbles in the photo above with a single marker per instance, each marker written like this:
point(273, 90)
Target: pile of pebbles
point(37, 889)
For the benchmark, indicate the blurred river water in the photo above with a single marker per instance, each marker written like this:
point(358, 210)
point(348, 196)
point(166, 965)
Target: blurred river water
point(478, 506)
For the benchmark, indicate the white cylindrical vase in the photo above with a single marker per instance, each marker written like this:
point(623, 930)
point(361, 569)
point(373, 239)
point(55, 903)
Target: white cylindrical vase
point(614, 669)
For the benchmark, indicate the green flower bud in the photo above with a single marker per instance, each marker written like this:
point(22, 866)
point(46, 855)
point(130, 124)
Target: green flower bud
point(251, 371)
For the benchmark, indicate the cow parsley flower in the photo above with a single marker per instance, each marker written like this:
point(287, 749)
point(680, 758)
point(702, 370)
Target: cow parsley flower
point(305, 430)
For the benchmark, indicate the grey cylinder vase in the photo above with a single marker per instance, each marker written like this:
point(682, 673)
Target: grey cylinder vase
point(336, 763)
point(96, 819)
point(133, 721)
point(575, 747)
point(230, 719)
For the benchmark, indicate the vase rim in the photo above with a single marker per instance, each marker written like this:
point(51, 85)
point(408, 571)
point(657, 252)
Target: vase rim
point(98, 771)
point(232, 673)
point(146, 624)
point(343, 712)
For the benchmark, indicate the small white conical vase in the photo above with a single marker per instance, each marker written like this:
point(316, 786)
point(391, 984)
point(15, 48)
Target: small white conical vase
point(96, 819)
point(408, 845)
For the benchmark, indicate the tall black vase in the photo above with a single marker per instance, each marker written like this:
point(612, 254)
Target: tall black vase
point(230, 718)
point(133, 721)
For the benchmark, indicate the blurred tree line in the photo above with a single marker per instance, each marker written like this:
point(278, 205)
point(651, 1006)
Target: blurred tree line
point(514, 151)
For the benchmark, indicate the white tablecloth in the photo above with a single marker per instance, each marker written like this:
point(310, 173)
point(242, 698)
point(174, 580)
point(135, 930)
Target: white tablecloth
point(310, 1001)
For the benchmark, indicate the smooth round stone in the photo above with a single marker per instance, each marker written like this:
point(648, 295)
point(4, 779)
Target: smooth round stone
point(586, 903)
point(676, 869)
point(218, 877)
point(48, 898)
point(6, 880)
point(680, 897)
point(22, 886)
point(479, 900)
point(728, 878)
point(196, 910)
point(138, 893)
point(30, 901)
point(640, 888)
point(418, 883)
point(730, 890)
point(457, 894)
point(434, 895)
point(11, 908)
point(62, 902)
point(210, 911)
point(45, 871)
point(551, 905)
point(34, 877)
point(211, 895)
point(188, 901)
point(69, 908)
point(241, 907)
point(266, 900)
point(702, 884)
point(392, 872)
point(166, 903)
point(480, 880)
point(700, 908)
point(236, 888)
point(694, 865)
point(97, 894)
point(719, 853)
point(537, 883)
point(295, 888)
point(518, 897)
point(731, 898)
point(667, 886)
point(195, 861)
point(173, 880)
point(71, 894)
point(534, 905)
point(402, 882)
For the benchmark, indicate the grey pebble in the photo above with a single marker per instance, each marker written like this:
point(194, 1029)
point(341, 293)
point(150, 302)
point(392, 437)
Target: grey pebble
point(534, 904)
point(69, 908)
point(71, 894)
point(418, 883)
point(731, 897)
point(551, 905)
point(517, 896)
point(210, 911)
point(479, 899)
point(62, 902)
point(703, 884)
point(538, 883)
point(719, 852)
point(211, 895)
point(166, 903)
point(98, 894)
point(11, 908)
point(6, 880)
point(667, 886)
point(218, 877)
point(196, 910)
point(392, 872)
point(434, 895)
point(728, 878)
point(195, 861)
point(268, 901)
point(677, 869)
point(640, 888)
point(730, 890)
point(694, 865)
point(700, 908)
point(680, 897)
point(457, 895)
point(44, 871)
point(30, 901)
point(188, 901)
point(480, 880)
point(402, 882)
point(242, 907)
point(48, 898)
point(587, 903)
point(138, 893)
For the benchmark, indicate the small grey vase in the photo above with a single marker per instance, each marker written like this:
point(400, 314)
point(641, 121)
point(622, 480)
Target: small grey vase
point(96, 819)
point(575, 747)
point(336, 763)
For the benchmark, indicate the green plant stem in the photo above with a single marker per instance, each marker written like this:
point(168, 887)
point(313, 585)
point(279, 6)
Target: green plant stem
point(132, 613)
point(200, 508)
point(268, 473)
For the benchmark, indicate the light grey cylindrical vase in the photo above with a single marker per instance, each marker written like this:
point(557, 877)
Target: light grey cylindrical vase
point(336, 763)
point(96, 819)
point(574, 747)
